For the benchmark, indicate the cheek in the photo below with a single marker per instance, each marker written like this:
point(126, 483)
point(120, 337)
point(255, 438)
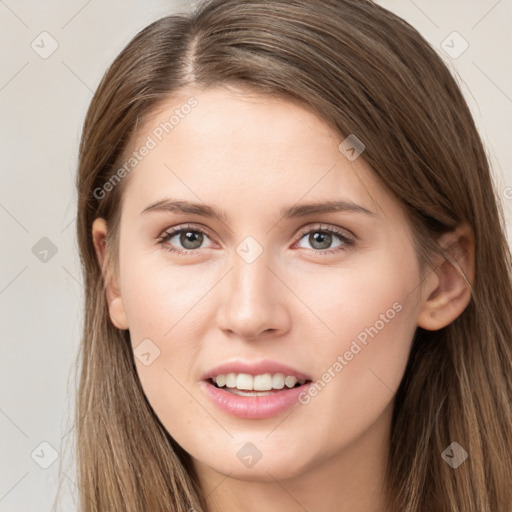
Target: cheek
point(371, 310)
point(374, 291)
point(365, 313)
point(160, 297)
point(160, 300)
point(162, 304)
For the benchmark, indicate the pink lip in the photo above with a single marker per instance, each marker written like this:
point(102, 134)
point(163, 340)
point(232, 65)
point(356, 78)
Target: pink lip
point(264, 366)
point(253, 407)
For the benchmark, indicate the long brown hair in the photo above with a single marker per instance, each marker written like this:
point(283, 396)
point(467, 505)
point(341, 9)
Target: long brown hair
point(367, 72)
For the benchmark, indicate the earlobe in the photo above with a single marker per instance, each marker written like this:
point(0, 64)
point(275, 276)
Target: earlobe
point(112, 290)
point(117, 313)
point(448, 289)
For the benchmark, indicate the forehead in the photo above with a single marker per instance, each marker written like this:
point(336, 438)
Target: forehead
point(230, 146)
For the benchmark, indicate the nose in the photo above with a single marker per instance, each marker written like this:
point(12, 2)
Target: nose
point(253, 300)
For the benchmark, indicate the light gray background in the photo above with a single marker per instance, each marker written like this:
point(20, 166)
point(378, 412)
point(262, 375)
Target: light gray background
point(43, 104)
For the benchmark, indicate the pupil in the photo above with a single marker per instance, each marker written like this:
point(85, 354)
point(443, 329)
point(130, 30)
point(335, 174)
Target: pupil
point(188, 237)
point(325, 239)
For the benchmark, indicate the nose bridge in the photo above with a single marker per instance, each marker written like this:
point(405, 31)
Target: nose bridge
point(251, 300)
point(250, 278)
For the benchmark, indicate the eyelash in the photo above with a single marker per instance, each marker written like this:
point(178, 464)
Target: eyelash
point(348, 243)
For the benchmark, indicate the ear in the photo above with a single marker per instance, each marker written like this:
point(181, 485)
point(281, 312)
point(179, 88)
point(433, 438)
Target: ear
point(112, 290)
point(447, 290)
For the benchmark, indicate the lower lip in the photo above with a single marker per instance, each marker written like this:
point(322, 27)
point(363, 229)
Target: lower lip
point(254, 407)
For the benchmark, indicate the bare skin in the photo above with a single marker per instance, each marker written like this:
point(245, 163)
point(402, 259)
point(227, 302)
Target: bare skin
point(296, 303)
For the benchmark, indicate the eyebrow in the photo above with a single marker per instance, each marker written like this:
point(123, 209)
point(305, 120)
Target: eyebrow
point(302, 210)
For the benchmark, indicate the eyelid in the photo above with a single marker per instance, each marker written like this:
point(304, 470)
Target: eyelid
point(345, 235)
point(173, 231)
point(343, 232)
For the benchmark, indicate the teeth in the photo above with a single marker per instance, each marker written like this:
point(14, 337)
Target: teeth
point(221, 380)
point(244, 381)
point(278, 381)
point(263, 382)
point(290, 381)
point(230, 380)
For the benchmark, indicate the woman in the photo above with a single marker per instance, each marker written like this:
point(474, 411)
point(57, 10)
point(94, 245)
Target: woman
point(298, 286)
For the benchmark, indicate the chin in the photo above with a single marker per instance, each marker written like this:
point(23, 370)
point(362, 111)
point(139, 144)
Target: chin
point(277, 467)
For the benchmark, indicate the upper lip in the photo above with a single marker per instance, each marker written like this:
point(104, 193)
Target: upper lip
point(254, 368)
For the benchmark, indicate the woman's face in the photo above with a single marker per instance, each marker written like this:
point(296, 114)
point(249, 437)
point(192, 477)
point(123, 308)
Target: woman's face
point(276, 284)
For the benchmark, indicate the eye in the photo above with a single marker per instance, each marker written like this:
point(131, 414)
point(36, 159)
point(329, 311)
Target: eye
point(321, 239)
point(190, 238)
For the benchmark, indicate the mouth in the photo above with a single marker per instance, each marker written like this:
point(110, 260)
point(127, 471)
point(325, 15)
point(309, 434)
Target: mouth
point(254, 389)
point(246, 385)
point(255, 397)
